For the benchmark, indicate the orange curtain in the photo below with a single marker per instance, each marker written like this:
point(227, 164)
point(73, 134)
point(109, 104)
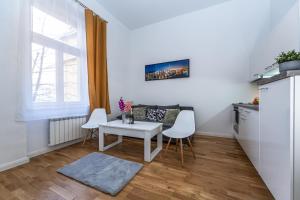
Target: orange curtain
point(97, 61)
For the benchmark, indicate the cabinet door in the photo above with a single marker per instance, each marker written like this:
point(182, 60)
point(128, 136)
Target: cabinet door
point(275, 146)
point(249, 135)
point(253, 137)
point(242, 128)
point(297, 139)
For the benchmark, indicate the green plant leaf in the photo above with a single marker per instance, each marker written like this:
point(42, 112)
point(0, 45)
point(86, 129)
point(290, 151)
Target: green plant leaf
point(288, 56)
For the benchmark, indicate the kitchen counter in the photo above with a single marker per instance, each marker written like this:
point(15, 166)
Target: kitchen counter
point(247, 105)
point(278, 77)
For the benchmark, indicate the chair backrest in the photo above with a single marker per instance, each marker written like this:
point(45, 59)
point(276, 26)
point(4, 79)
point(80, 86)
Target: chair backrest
point(98, 116)
point(185, 122)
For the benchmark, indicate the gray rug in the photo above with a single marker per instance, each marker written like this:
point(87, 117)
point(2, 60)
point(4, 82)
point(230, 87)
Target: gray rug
point(103, 172)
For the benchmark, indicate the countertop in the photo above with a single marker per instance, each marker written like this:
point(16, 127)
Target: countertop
point(247, 105)
point(278, 77)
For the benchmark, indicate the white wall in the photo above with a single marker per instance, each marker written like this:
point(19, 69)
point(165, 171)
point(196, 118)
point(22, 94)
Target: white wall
point(12, 134)
point(218, 41)
point(281, 33)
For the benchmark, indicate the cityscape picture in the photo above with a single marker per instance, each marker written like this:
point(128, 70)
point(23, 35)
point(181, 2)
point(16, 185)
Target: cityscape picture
point(168, 70)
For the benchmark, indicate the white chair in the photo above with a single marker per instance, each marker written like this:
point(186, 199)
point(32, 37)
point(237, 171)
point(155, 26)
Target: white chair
point(183, 127)
point(97, 117)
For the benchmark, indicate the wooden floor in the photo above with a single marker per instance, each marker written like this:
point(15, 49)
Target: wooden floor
point(221, 171)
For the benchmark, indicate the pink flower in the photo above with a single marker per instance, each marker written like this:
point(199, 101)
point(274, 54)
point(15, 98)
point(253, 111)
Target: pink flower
point(121, 105)
point(128, 106)
point(125, 106)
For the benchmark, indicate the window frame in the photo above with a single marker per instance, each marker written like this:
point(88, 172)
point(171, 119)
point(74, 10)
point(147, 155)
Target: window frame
point(60, 49)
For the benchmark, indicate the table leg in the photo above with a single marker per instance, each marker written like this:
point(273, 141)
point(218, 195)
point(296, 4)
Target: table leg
point(102, 146)
point(159, 141)
point(101, 139)
point(120, 139)
point(147, 148)
point(148, 156)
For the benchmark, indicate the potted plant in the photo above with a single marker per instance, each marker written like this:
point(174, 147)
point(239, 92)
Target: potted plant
point(126, 109)
point(288, 61)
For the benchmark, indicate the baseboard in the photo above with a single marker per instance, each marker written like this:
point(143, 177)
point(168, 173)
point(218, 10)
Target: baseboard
point(223, 135)
point(13, 164)
point(49, 149)
point(32, 154)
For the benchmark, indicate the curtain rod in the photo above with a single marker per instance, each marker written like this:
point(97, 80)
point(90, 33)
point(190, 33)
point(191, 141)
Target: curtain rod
point(84, 6)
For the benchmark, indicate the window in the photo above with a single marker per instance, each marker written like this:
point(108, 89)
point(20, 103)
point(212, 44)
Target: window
point(55, 60)
point(56, 77)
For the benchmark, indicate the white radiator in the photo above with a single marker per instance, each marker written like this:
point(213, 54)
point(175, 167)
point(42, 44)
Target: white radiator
point(66, 129)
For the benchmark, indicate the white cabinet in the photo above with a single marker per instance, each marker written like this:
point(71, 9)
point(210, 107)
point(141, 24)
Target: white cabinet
point(297, 139)
point(253, 137)
point(276, 136)
point(249, 134)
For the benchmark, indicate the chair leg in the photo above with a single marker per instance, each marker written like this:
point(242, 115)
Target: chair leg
point(176, 145)
point(181, 152)
point(89, 134)
point(168, 144)
point(167, 147)
point(85, 138)
point(92, 133)
point(191, 147)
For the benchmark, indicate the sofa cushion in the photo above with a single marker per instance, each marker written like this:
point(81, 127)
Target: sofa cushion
point(139, 113)
point(160, 114)
point(170, 117)
point(151, 114)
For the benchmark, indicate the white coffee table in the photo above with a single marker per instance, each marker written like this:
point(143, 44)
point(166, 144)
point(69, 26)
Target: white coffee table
point(143, 130)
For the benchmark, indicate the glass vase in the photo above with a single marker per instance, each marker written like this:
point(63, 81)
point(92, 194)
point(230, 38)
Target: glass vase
point(123, 117)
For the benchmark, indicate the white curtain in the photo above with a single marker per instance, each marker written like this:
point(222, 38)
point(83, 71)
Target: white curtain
point(52, 60)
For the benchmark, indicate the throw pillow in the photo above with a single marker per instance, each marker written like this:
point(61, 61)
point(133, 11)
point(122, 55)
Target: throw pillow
point(139, 113)
point(151, 114)
point(160, 114)
point(170, 116)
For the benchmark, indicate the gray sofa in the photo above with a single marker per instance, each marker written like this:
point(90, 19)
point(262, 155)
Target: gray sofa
point(167, 123)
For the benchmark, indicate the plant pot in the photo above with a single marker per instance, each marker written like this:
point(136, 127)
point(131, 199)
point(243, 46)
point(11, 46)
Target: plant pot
point(290, 65)
point(123, 117)
point(130, 118)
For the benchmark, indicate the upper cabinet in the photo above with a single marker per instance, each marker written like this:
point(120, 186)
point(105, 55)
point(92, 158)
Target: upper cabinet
point(281, 32)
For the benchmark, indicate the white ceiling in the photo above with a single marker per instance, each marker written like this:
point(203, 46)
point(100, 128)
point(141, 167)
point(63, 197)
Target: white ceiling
point(138, 13)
